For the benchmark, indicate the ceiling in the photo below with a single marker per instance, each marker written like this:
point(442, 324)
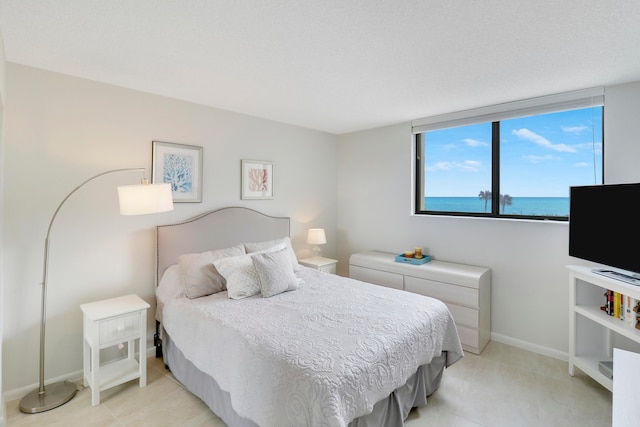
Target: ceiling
point(334, 65)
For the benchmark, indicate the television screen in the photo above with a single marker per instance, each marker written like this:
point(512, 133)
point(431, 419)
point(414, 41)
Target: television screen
point(604, 225)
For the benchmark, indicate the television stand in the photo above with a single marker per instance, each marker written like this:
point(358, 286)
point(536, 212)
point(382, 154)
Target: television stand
point(593, 333)
point(627, 278)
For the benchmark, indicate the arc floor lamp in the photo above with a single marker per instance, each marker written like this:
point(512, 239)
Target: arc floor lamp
point(134, 200)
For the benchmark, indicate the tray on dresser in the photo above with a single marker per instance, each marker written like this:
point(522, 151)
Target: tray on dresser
point(417, 261)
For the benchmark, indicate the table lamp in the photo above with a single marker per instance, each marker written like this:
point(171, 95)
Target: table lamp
point(316, 236)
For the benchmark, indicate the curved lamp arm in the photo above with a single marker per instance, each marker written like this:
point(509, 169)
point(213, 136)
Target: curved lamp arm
point(82, 185)
point(46, 240)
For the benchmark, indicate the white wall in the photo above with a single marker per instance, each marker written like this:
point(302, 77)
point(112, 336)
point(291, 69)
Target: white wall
point(527, 258)
point(2, 94)
point(622, 146)
point(61, 130)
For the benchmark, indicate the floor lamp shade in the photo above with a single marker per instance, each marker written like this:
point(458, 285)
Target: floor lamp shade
point(144, 199)
point(134, 200)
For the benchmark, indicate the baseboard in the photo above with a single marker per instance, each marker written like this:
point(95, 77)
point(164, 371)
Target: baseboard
point(151, 351)
point(19, 392)
point(534, 348)
point(3, 411)
point(74, 376)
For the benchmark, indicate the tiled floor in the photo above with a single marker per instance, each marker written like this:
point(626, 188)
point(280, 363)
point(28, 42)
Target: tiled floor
point(504, 386)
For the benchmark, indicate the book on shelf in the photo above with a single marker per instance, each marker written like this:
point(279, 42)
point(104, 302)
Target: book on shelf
point(605, 307)
point(608, 306)
point(622, 307)
point(629, 314)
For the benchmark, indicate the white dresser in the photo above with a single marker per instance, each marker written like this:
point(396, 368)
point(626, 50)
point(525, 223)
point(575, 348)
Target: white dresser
point(465, 289)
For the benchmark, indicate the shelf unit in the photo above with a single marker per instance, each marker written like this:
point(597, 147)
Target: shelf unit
point(593, 333)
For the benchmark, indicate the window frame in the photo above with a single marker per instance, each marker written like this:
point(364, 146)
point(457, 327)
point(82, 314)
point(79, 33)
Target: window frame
point(587, 98)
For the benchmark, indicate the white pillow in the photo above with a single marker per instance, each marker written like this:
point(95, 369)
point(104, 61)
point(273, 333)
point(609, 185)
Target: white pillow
point(275, 274)
point(253, 247)
point(199, 274)
point(240, 274)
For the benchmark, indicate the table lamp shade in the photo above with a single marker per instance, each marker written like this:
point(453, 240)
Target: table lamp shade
point(144, 199)
point(316, 236)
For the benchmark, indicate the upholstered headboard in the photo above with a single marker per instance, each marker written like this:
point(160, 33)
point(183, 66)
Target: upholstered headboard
point(215, 229)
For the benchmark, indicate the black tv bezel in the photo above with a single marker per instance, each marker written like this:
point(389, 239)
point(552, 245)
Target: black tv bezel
point(599, 245)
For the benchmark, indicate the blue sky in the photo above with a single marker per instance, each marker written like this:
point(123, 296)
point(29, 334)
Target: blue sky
point(541, 156)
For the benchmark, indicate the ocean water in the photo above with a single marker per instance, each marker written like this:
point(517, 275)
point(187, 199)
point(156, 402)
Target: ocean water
point(543, 206)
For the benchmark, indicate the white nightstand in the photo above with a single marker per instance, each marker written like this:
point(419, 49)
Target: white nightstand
point(327, 265)
point(108, 323)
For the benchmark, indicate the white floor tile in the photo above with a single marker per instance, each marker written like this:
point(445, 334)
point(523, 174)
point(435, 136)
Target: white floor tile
point(504, 386)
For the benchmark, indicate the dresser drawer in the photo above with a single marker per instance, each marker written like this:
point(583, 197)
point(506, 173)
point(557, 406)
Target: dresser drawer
point(119, 328)
point(459, 295)
point(377, 277)
point(470, 339)
point(465, 316)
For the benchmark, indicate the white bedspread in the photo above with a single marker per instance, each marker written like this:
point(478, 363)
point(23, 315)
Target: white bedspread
point(321, 355)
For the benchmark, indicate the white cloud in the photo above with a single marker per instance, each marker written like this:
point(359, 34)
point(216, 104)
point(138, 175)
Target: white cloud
point(542, 141)
point(575, 129)
point(465, 166)
point(470, 142)
point(538, 159)
point(595, 146)
point(582, 164)
point(439, 166)
point(469, 165)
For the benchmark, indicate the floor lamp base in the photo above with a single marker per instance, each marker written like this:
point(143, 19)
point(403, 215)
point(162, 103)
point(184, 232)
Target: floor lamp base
point(54, 395)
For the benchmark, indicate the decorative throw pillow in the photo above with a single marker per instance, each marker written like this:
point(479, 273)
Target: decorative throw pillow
point(253, 247)
point(200, 275)
point(275, 274)
point(240, 274)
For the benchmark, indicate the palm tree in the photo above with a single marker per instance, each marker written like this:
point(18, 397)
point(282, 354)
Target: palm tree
point(505, 200)
point(486, 196)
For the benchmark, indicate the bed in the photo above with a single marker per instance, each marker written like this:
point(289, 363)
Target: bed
point(309, 348)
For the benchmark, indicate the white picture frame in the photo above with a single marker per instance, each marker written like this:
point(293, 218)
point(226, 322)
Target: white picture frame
point(181, 166)
point(257, 180)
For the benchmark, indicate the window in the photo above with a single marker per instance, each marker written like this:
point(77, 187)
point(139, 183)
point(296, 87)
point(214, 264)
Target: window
point(513, 160)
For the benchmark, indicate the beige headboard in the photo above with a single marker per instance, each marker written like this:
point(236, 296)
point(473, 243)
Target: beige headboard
point(215, 229)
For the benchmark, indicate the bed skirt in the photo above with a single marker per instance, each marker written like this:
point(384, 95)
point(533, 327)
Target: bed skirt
point(390, 412)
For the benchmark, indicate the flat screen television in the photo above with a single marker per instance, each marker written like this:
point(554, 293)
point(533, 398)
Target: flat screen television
point(604, 227)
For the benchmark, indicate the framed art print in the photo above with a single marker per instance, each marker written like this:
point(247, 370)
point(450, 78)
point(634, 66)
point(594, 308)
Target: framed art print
point(257, 179)
point(181, 166)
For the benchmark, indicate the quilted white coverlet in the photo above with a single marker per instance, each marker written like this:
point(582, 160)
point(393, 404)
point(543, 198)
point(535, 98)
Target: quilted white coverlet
point(321, 355)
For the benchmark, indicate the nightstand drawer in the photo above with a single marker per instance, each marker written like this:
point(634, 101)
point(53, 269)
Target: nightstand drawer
point(330, 268)
point(119, 328)
point(327, 265)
